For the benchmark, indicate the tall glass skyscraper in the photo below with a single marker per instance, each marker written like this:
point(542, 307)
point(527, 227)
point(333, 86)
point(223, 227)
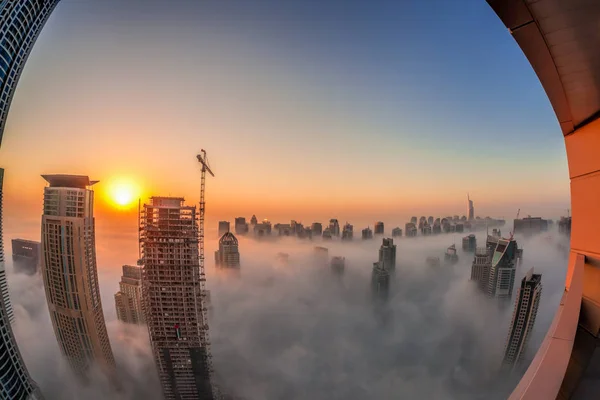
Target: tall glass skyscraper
point(20, 24)
point(15, 382)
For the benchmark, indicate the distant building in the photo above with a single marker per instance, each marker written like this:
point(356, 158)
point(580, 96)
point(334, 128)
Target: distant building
point(413, 220)
point(253, 220)
point(326, 234)
point(469, 243)
point(470, 209)
point(437, 227)
point(426, 229)
point(397, 232)
point(367, 233)
point(502, 271)
point(316, 228)
point(450, 256)
point(338, 264)
point(348, 232)
point(387, 254)
point(241, 226)
point(262, 229)
point(410, 230)
point(321, 255)
point(228, 255)
point(334, 227)
point(128, 300)
point(26, 256)
point(224, 227)
point(523, 319)
point(564, 226)
point(284, 229)
point(380, 282)
point(530, 225)
point(378, 229)
point(430, 220)
point(459, 228)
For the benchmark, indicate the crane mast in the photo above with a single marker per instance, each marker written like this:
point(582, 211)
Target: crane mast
point(203, 160)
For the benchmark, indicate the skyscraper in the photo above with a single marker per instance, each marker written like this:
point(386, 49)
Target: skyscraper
point(526, 307)
point(380, 282)
point(378, 229)
point(480, 269)
point(316, 228)
point(253, 220)
point(367, 233)
point(530, 225)
point(502, 270)
point(21, 23)
point(26, 256)
point(321, 255)
point(174, 298)
point(241, 226)
point(348, 232)
point(470, 209)
point(387, 254)
point(128, 300)
point(228, 255)
point(334, 227)
point(15, 382)
point(224, 227)
point(397, 232)
point(337, 265)
point(70, 274)
point(469, 243)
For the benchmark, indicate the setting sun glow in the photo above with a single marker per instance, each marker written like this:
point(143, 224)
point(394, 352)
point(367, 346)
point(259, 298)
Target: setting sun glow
point(122, 193)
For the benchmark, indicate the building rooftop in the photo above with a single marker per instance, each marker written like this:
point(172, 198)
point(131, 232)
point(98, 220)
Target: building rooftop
point(69, 181)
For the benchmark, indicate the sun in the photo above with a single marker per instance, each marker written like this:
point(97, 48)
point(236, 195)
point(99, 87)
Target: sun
point(122, 193)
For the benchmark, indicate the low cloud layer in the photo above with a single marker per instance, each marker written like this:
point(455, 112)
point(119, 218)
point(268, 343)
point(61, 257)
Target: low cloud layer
point(295, 331)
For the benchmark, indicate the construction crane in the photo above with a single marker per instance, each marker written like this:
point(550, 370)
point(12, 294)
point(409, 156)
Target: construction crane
point(203, 160)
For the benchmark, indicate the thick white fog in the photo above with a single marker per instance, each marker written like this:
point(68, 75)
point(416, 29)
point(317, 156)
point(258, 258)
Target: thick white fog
point(296, 331)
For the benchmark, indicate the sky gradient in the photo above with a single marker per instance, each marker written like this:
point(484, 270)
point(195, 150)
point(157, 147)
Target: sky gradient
point(359, 110)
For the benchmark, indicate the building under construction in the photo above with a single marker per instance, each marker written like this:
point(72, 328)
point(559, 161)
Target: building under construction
point(173, 291)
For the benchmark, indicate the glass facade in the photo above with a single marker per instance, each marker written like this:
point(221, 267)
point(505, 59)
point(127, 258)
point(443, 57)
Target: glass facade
point(15, 382)
point(20, 24)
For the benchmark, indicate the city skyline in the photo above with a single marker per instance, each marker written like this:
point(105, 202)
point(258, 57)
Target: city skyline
point(286, 112)
point(250, 161)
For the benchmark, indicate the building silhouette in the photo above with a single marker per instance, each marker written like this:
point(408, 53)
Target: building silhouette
point(15, 382)
point(378, 229)
point(480, 269)
point(316, 228)
point(387, 255)
point(334, 227)
point(70, 273)
point(530, 226)
point(228, 255)
point(128, 300)
point(469, 243)
point(470, 209)
point(450, 257)
point(397, 232)
point(348, 232)
point(174, 299)
point(380, 282)
point(26, 256)
point(410, 230)
point(241, 226)
point(367, 233)
point(321, 255)
point(253, 220)
point(326, 234)
point(564, 226)
point(523, 319)
point(262, 229)
point(224, 227)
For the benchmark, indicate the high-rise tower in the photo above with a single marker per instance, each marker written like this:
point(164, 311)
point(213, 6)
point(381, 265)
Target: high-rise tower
point(387, 254)
point(172, 292)
point(21, 22)
point(228, 255)
point(15, 382)
point(128, 300)
point(526, 306)
point(470, 209)
point(502, 270)
point(70, 274)
point(334, 227)
point(380, 282)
